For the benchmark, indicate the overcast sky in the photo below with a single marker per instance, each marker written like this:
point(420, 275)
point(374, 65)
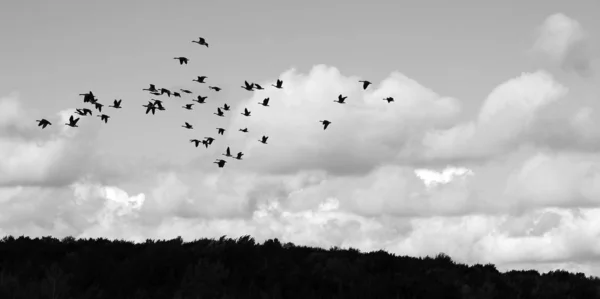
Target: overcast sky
point(488, 154)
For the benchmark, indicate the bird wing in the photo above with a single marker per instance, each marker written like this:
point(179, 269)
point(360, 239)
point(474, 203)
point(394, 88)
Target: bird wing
point(228, 151)
point(266, 101)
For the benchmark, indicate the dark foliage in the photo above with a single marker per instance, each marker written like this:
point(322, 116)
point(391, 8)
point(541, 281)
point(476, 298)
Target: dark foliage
point(227, 268)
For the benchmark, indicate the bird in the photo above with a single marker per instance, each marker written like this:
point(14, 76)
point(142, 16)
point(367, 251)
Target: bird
point(200, 100)
point(200, 79)
point(158, 105)
point(246, 112)
point(239, 156)
point(220, 131)
point(219, 112)
point(176, 94)
point(279, 84)
point(205, 142)
point(227, 153)
point(150, 107)
point(220, 162)
point(248, 86)
point(226, 107)
point(98, 106)
point(185, 91)
point(104, 117)
point(72, 122)
point(365, 84)
point(79, 111)
point(187, 126)
point(151, 88)
point(43, 123)
point(245, 130)
point(264, 139)
point(265, 102)
point(117, 104)
point(187, 106)
point(389, 99)
point(209, 140)
point(86, 111)
point(87, 97)
point(182, 60)
point(201, 41)
point(258, 87)
point(214, 88)
point(325, 123)
point(196, 141)
point(164, 90)
point(341, 99)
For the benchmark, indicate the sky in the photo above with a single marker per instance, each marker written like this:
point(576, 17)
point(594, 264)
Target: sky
point(488, 154)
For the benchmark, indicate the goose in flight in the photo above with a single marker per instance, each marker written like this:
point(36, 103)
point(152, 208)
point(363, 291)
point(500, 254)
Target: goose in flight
point(389, 99)
point(87, 97)
point(220, 162)
point(72, 122)
point(152, 88)
point(185, 91)
point(200, 79)
point(227, 153)
point(43, 123)
point(279, 84)
point(187, 106)
point(246, 112)
point(264, 139)
point(187, 126)
point(164, 90)
point(226, 107)
point(245, 130)
point(103, 117)
point(365, 84)
point(325, 123)
point(220, 131)
point(86, 111)
point(248, 86)
point(196, 141)
point(341, 99)
point(265, 102)
point(239, 156)
point(176, 94)
point(258, 87)
point(209, 140)
point(98, 106)
point(158, 105)
point(200, 100)
point(219, 112)
point(79, 112)
point(215, 88)
point(201, 41)
point(182, 60)
point(205, 142)
point(116, 104)
point(150, 107)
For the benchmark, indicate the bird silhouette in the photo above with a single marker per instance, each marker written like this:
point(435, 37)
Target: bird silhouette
point(79, 112)
point(116, 104)
point(341, 99)
point(365, 84)
point(176, 94)
point(103, 117)
point(226, 107)
point(205, 142)
point(43, 123)
point(220, 162)
point(200, 79)
point(86, 111)
point(200, 100)
point(325, 123)
point(187, 106)
point(151, 88)
point(239, 156)
point(279, 84)
point(214, 88)
point(258, 87)
point(185, 91)
point(219, 112)
point(164, 90)
point(265, 102)
point(88, 97)
point(248, 86)
point(389, 99)
point(187, 126)
point(246, 112)
point(220, 131)
point(196, 141)
point(245, 130)
point(150, 107)
point(264, 139)
point(201, 41)
point(98, 106)
point(158, 105)
point(182, 60)
point(227, 153)
point(72, 122)
point(209, 140)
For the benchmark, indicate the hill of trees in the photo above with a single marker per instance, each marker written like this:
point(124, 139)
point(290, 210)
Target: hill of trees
point(228, 268)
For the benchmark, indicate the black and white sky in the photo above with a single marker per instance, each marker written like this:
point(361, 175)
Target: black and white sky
point(488, 154)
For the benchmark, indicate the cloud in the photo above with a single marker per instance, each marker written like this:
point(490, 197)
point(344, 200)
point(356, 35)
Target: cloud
point(565, 42)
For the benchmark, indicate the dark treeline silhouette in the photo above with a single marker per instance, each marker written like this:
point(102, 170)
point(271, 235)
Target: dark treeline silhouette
point(228, 268)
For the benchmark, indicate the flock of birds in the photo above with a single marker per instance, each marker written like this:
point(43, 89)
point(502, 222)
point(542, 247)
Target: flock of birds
point(154, 105)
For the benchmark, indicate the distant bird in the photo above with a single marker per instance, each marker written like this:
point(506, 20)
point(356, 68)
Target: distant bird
point(264, 139)
point(200, 79)
point(325, 123)
point(246, 112)
point(187, 106)
point(227, 153)
point(214, 88)
point(150, 107)
point(248, 86)
point(239, 156)
point(209, 140)
point(226, 107)
point(279, 84)
point(72, 122)
point(151, 88)
point(187, 126)
point(365, 84)
point(257, 86)
point(87, 97)
point(265, 102)
point(200, 100)
point(219, 112)
point(177, 95)
point(389, 99)
point(220, 162)
point(98, 106)
point(196, 141)
point(201, 41)
point(86, 111)
point(43, 123)
point(79, 112)
point(185, 91)
point(103, 117)
point(205, 142)
point(245, 130)
point(182, 60)
point(116, 104)
point(164, 90)
point(341, 99)
point(220, 131)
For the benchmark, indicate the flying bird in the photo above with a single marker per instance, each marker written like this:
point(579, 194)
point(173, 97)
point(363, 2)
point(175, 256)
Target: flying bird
point(365, 84)
point(389, 99)
point(116, 104)
point(103, 117)
point(264, 139)
point(226, 107)
point(325, 123)
point(245, 130)
point(158, 105)
point(72, 122)
point(187, 106)
point(220, 131)
point(246, 112)
point(219, 112)
point(182, 60)
point(98, 106)
point(185, 91)
point(152, 88)
point(164, 90)
point(43, 123)
point(209, 140)
point(177, 95)
point(87, 97)
point(220, 162)
point(150, 107)
point(279, 84)
point(248, 86)
point(265, 102)
point(187, 126)
point(200, 79)
point(341, 99)
point(196, 141)
point(239, 156)
point(201, 41)
point(79, 111)
point(86, 111)
point(205, 142)
point(200, 100)
point(258, 87)
point(227, 153)
point(214, 88)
